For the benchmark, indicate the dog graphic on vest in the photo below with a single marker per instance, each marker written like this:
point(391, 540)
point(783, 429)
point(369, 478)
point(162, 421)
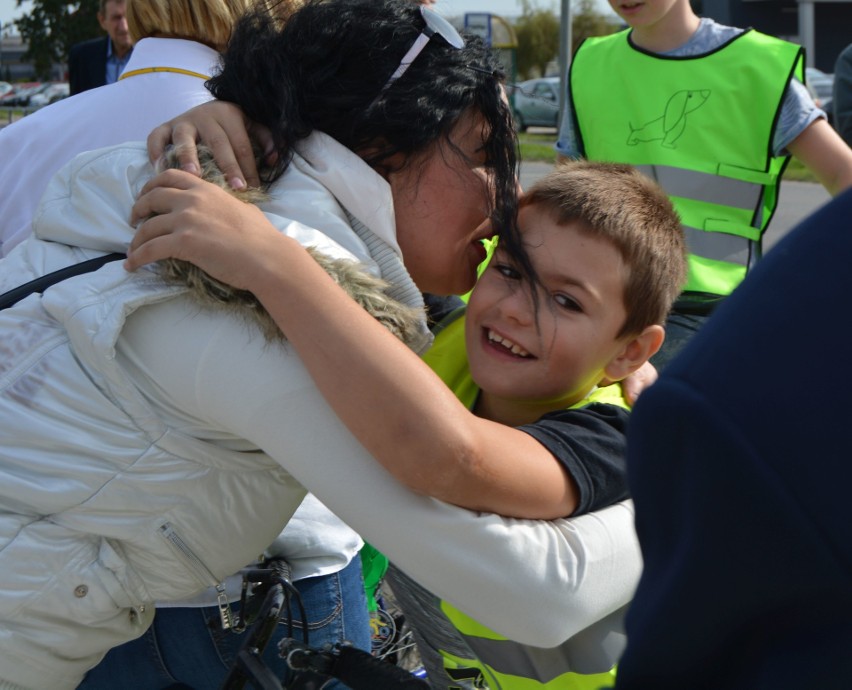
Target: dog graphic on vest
point(670, 126)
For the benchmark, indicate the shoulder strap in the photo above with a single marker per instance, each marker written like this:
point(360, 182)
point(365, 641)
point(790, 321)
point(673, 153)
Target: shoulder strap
point(15, 295)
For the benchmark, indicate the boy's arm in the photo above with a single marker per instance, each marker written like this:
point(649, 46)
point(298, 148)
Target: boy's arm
point(590, 442)
point(825, 154)
point(567, 147)
point(225, 129)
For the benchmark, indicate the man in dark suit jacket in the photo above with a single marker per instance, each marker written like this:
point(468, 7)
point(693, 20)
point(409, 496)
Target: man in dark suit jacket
point(99, 61)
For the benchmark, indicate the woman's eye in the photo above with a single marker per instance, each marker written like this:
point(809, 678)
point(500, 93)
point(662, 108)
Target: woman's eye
point(507, 271)
point(567, 302)
point(482, 158)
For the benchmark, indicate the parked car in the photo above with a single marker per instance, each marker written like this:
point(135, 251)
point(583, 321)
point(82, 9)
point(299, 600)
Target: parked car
point(54, 92)
point(6, 98)
point(536, 103)
point(20, 96)
point(5, 87)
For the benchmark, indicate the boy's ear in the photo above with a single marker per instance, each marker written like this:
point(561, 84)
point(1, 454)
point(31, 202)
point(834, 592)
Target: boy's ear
point(638, 350)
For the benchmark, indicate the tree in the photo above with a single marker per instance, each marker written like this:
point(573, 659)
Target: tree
point(586, 21)
point(52, 27)
point(538, 39)
point(538, 33)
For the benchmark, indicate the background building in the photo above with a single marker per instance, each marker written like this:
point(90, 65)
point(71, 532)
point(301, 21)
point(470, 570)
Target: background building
point(823, 27)
point(12, 68)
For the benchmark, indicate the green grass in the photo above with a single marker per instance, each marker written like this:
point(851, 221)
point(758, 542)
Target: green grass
point(539, 147)
point(9, 115)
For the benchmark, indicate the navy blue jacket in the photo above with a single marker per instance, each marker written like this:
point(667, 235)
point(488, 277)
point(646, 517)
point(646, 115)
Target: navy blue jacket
point(87, 64)
point(740, 464)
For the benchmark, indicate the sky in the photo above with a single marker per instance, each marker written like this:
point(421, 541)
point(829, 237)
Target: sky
point(10, 11)
point(449, 8)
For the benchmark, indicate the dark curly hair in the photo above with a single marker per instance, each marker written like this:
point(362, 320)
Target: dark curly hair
point(325, 69)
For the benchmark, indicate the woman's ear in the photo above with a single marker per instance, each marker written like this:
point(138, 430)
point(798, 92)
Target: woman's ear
point(636, 351)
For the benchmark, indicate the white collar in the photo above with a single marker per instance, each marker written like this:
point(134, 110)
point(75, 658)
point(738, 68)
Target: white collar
point(173, 53)
point(356, 186)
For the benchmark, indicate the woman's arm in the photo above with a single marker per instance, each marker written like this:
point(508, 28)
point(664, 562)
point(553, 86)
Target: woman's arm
point(537, 582)
point(389, 399)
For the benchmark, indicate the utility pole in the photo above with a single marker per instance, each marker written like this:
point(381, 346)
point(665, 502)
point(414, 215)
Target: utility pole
point(564, 54)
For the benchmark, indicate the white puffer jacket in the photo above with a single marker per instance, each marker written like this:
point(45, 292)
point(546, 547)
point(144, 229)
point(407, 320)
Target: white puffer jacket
point(130, 420)
point(111, 498)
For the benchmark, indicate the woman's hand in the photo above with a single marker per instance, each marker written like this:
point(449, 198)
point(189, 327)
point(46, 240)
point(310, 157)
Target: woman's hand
point(184, 217)
point(225, 130)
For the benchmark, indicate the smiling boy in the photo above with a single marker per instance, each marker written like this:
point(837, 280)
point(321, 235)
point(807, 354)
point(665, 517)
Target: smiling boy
point(608, 253)
point(528, 364)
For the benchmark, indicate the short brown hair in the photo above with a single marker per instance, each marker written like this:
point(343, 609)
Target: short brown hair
point(619, 204)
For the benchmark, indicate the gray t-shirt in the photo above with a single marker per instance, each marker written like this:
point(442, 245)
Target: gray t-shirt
point(797, 111)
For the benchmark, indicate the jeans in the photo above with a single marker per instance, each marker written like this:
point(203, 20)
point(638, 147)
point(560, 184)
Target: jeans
point(187, 648)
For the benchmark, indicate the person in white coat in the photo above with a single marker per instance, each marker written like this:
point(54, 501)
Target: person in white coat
point(178, 46)
point(176, 51)
point(163, 449)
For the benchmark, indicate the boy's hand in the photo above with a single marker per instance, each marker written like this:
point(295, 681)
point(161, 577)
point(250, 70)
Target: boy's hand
point(638, 381)
point(221, 126)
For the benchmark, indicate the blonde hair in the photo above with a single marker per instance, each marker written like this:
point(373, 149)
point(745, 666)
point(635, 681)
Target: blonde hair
point(205, 21)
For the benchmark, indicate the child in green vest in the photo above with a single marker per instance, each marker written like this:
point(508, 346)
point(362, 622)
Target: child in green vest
point(712, 113)
point(526, 431)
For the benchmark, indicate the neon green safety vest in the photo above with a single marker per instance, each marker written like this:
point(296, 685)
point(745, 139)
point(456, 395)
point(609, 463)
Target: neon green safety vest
point(702, 127)
point(495, 661)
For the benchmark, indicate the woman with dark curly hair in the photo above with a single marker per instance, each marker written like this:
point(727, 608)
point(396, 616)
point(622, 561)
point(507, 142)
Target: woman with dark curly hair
point(154, 444)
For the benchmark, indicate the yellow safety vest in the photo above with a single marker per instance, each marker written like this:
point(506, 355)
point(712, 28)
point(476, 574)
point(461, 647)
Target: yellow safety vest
point(702, 127)
point(497, 662)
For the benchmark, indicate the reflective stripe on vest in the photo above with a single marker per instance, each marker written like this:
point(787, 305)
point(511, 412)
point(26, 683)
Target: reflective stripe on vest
point(713, 189)
point(506, 665)
point(702, 126)
point(707, 187)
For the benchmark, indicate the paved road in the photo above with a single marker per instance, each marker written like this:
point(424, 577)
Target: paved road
point(797, 201)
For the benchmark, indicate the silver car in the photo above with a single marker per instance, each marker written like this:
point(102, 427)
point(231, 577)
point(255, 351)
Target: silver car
point(536, 103)
point(54, 92)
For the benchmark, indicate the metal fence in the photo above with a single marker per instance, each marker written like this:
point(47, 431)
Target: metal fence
point(9, 114)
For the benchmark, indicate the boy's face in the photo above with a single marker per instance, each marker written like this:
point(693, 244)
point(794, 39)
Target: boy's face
point(641, 13)
point(555, 363)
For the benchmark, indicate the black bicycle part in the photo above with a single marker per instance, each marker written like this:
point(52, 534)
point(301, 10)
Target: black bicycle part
point(312, 668)
point(356, 668)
